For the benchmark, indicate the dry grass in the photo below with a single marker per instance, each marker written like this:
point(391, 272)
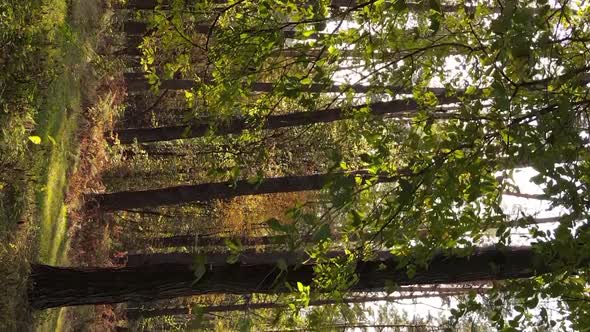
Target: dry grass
point(88, 229)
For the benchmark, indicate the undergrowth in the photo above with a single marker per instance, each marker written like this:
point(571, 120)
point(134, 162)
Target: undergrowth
point(54, 79)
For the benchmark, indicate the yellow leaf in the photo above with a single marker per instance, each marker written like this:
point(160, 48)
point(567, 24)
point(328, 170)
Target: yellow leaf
point(35, 139)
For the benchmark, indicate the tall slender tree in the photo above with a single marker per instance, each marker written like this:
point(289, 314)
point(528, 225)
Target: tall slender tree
point(125, 200)
point(137, 313)
point(67, 286)
point(399, 108)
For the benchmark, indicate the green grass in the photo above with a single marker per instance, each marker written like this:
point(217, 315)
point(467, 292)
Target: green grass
point(52, 239)
point(59, 130)
point(48, 44)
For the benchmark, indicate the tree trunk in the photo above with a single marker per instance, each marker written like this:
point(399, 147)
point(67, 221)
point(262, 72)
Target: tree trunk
point(141, 84)
point(63, 286)
point(246, 257)
point(374, 327)
point(137, 313)
point(125, 200)
point(138, 28)
point(133, 42)
point(151, 4)
point(191, 240)
point(237, 125)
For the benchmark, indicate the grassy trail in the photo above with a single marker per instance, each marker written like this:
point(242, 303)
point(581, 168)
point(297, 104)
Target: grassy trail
point(66, 99)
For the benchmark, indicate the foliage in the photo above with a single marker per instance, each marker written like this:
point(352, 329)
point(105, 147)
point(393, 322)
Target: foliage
point(518, 70)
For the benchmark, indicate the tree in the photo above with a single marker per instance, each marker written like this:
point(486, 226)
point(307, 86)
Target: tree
point(140, 84)
point(136, 313)
point(191, 240)
point(62, 286)
point(395, 108)
point(151, 4)
point(208, 191)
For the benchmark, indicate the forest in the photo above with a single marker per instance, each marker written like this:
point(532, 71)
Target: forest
point(295, 165)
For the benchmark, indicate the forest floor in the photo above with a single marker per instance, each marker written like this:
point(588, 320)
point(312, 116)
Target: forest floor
point(51, 146)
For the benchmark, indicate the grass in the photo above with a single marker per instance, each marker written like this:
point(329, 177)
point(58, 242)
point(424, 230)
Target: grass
point(48, 45)
point(52, 240)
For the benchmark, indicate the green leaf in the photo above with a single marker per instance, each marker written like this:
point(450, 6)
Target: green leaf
point(197, 313)
point(471, 90)
point(322, 233)
point(276, 225)
point(411, 271)
point(435, 6)
point(282, 265)
point(391, 286)
point(405, 195)
point(366, 158)
point(199, 267)
point(306, 81)
point(357, 218)
point(199, 272)
point(234, 245)
point(300, 287)
point(232, 259)
point(308, 33)
point(400, 5)
point(245, 324)
point(434, 23)
point(532, 303)
point(435, 15)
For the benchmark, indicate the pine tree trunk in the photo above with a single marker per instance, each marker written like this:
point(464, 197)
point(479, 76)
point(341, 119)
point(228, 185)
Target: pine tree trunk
point(151, 4)
point(366, 327)
point(138, 313)
point(63, 286)
point(138, 28)
point(191, 240)
point(133, 42)
point(125, 200)
point(141, 84)
point(237, 125)
point(247, 257)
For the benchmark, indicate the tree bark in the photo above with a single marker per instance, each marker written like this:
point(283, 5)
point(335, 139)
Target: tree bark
point(151, 4)
point(374, 327)
point(125, 200)
point(246, 257)
point(190, 240)
point(65, 286)
point(138, 28)
point(141, 84)
point(133, 42)
point(208, 241)
point(137, 313)
point(236, 125)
